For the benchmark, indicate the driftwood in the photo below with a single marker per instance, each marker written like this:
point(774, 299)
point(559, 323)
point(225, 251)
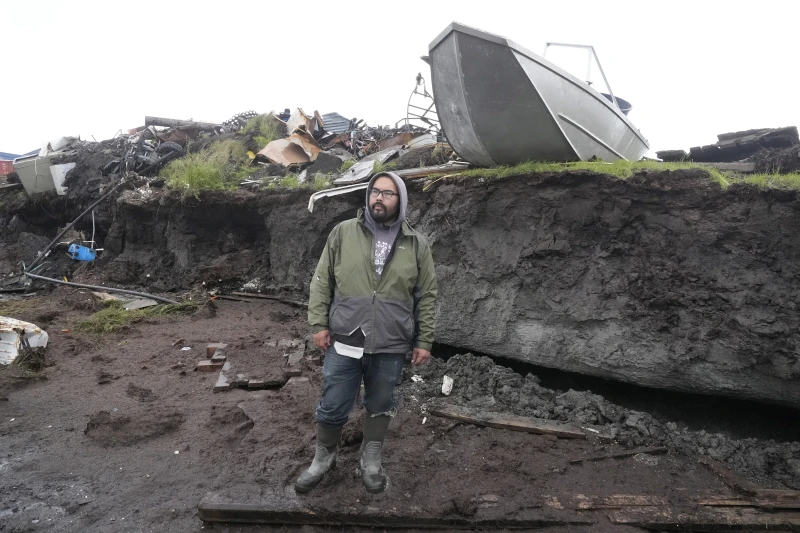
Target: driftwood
point(179, 124)
point(507, 421)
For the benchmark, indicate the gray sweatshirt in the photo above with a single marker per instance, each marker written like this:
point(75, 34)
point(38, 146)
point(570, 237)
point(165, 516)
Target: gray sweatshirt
point(386, 235)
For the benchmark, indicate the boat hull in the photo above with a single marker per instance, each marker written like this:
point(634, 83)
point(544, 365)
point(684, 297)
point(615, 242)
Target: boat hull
point(500, 104)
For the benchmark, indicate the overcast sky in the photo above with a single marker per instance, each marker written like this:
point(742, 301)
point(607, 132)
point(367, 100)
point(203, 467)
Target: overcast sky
point(690, 69)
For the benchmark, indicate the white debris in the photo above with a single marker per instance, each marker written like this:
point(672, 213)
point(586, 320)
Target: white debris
point(424, 419)
point(16, 333)
point(417, 379)
point(447, 385)
point(186, 348)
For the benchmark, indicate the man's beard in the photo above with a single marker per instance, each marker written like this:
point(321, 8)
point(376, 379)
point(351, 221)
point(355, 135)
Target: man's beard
point(383, 216)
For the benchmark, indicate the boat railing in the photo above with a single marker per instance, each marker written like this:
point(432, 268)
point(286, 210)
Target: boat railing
point(590, 53)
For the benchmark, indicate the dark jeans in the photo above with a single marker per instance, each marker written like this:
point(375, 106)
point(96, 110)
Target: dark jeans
point(342, 381)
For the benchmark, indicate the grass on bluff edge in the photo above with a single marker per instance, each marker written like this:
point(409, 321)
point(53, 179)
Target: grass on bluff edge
point(619, 169)
point(316, 182)
point(113, 317)
point(346, 165)
point(264, 128)
point(220, 166)
point(773, 181)
point(626, 169)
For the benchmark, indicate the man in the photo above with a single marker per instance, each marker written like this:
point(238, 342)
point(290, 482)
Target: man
point(372, 300)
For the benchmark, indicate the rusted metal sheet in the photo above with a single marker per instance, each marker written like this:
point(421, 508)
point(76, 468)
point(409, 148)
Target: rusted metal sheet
point(6, 167)
point(284, 152)
point(307, 143)
point(297, 149)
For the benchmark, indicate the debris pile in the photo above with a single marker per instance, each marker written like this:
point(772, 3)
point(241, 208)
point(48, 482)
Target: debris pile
point(481, 384)
point(737, 146)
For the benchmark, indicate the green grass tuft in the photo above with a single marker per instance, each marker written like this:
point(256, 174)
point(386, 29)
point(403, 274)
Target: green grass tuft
point(13, 308)
point(346, 165)
point(218, 167)
point(264, 128)
point(321, 182)
point(113, 317)
point(773, 181)
point(619, 169)
point(383, 167)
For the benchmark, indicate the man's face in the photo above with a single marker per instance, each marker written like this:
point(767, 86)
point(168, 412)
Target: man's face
point(384, 209)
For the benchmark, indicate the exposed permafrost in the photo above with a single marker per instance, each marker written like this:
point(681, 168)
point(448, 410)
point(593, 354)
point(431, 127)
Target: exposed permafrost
point(663, 280)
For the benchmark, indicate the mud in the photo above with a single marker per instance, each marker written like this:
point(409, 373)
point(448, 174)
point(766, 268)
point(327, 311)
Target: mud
point(81, 456)
point(480, 383)
point(110, 429)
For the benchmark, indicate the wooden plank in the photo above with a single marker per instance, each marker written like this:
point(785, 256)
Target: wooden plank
point(290, 511)
point(619, 455)
point(619, 501)
point(748, 502)
point(413, 173)
point(735, 519)
point(744, 168)
point(293, 303)
point(507, 421)
point(729, 477)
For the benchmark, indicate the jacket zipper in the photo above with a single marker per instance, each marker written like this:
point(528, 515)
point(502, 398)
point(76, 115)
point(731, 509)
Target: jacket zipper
point(375, 281)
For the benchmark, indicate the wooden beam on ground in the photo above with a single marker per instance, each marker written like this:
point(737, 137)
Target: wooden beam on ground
point(769, 505)
point(732, 519)
point(413, 173)
point(660, 450)
point(741, 167)
point(729, 477)
point(508, 421)
point(619, 501)
point(179, 124)
point(293, 303)
point(290, 511)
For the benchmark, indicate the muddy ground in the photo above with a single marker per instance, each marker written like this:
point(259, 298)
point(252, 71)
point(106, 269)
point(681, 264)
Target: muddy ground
point(662, 280)
point(120, 434)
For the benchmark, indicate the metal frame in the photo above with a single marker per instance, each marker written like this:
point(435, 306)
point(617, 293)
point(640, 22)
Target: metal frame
point(433, 123)
point(591, 53)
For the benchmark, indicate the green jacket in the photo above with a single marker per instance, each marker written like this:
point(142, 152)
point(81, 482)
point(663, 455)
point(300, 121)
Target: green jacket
point(396, 312)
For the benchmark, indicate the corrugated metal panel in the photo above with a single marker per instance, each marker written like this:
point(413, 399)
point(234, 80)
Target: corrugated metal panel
point(335, 123)
point(9, 157)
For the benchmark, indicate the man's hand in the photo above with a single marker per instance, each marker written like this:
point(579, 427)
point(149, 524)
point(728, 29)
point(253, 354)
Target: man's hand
point(322, 339)
point(420, 357)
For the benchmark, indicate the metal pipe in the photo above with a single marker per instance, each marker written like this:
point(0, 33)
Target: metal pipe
point(72, 224)
point(99, 288)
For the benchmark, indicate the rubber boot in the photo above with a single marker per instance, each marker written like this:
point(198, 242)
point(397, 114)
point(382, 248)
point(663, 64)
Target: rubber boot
point(372, 475)
point(324, 459)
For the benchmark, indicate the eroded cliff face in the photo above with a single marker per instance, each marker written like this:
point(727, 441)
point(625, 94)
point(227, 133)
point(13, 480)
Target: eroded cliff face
point(663, 280)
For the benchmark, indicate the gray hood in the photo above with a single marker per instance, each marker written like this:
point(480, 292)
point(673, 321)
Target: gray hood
point(401, 189)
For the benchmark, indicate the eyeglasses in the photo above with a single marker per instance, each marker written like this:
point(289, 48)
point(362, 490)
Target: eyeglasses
point(388, 195)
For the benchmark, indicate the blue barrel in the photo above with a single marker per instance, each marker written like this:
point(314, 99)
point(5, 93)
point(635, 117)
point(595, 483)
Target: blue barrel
point(82, 253)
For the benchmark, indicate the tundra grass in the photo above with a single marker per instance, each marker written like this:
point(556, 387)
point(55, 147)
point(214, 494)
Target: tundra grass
point(619, 169)
point(218, 167)
point(264, 128)
point(113, 317)
point(773, 181)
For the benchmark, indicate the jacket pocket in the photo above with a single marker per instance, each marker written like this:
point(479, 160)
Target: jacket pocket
point(394, 324)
